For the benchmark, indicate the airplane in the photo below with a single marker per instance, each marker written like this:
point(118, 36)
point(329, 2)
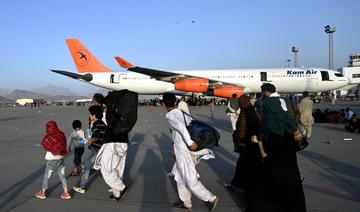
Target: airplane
point(219, 83)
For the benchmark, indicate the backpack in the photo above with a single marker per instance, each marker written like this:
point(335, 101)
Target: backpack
point(202, 134)
point(121, 113)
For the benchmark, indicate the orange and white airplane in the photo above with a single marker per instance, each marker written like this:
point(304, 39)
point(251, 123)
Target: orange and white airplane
point(220, 83)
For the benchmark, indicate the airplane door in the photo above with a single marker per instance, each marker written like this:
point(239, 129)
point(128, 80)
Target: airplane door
point(114, 78)
point(325, 76)
point(263, 76)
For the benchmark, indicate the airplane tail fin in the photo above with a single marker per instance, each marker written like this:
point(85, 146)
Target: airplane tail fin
point(85, 62)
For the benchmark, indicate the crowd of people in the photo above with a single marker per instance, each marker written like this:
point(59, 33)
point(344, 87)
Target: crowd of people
point(107, 156)
point(264, 135)
point(264, 132)
point(267, 169)
point(338, 117)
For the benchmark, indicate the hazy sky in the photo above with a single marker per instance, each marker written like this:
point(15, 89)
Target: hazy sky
point(170, 34)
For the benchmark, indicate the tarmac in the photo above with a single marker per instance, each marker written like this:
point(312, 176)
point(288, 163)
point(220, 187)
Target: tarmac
point(331, 165)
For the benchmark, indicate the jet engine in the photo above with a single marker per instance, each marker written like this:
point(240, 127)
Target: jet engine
point(228, 91)
point(192, 85)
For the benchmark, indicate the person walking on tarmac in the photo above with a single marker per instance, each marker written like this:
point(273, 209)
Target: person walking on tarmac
point(184, 170)
point(98, 130)
point(233, 110)
point(306, 117)
point(121, 116)
point(280, 188)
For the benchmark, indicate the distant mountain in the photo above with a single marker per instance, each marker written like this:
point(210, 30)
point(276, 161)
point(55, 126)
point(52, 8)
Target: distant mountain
point(4, 92)
point(22, 94)
point(4, 100)
point(52, 90)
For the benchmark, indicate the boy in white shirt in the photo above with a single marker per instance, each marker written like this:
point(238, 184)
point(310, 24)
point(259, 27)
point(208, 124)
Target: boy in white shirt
point(76, 142)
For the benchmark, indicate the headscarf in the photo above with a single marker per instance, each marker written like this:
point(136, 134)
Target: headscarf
point(54, 141)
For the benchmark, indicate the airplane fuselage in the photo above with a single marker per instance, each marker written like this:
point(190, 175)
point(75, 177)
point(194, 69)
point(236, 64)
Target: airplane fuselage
point(286, 80)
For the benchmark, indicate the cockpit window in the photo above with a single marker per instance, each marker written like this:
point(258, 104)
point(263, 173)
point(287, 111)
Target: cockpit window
point(338, 75)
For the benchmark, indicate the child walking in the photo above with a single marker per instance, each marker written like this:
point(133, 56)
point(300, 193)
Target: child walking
point(54, 143)
point(76, 143)
point(95, 143)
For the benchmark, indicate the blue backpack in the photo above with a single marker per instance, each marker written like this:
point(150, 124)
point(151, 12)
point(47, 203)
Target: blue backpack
point(202, 134)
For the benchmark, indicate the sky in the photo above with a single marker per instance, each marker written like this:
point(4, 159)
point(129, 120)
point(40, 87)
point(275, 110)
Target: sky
point(172, 34)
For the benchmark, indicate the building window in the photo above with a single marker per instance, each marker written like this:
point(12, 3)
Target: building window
point(356, 76)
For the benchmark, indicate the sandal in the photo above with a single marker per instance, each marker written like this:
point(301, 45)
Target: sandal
point(74, 173)
point(229, 186)
point(181, 205)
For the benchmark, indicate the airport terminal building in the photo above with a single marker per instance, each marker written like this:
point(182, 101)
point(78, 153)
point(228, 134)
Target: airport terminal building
point(353, 73)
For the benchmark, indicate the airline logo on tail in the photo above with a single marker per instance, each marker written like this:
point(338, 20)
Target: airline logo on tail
point(81, 57)
point(85, 62)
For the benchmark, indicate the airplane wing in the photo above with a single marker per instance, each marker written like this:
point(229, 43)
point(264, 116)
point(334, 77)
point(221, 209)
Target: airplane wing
point(188, 83)
point(86, 77)
point(165, 75)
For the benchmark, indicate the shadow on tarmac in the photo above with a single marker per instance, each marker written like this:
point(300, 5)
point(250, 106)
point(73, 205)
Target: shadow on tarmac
point(335, 168)
point(15, 189)
point(166, 148)
point(153, 192)
point(131, 156)
point(238, 197)
point(11, 119)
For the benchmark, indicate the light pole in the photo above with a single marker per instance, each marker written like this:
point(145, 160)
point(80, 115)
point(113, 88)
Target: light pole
point(295, 51)
point(330, 30)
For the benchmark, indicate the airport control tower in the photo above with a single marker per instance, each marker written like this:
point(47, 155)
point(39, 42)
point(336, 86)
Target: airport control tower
point(354, 60)
point(352, 71)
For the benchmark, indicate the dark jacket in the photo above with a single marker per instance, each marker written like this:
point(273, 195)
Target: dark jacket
point(98, 131)
point(247, 125)
point(275, 119)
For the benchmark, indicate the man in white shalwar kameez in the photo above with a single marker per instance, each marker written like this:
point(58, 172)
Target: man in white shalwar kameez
point(111, 161)
point(184, 170)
